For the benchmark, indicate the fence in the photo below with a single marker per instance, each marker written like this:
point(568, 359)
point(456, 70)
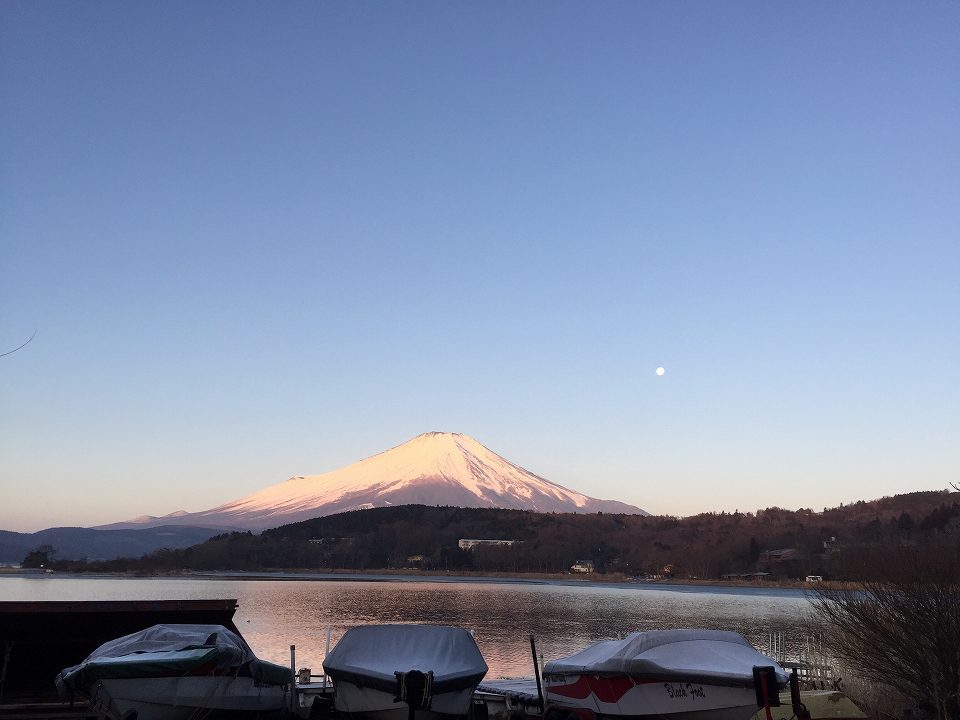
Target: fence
point(813, 666)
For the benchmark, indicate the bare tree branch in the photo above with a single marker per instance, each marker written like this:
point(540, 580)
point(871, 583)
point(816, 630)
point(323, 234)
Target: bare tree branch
point(903, 631)
point(29, 340)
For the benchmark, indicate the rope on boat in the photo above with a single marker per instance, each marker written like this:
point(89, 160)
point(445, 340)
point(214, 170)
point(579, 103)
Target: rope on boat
point(228, 675)
point(415, 688)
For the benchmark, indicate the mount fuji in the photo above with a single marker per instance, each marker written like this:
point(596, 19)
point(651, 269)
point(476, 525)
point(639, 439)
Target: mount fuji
point(435, 468)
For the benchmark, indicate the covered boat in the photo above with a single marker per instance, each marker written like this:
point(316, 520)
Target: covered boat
point(393, 671)
point(689, 674)
point(168, 672)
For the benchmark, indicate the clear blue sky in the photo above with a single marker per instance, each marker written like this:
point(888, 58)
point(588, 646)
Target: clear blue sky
point(266, 239)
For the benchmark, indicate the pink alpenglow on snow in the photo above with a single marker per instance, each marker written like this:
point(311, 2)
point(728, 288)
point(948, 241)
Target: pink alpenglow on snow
point(435, 468)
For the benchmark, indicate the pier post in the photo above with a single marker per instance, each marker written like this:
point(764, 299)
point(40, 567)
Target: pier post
point(293, 679)
point(536, 672)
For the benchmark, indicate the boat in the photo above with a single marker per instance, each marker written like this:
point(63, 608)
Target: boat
point(393, 672)
point(677, 674)
point(38, 638)
point(173, 672)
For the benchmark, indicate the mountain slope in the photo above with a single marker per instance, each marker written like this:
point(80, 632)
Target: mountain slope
point(431, 469)
point(75, 543)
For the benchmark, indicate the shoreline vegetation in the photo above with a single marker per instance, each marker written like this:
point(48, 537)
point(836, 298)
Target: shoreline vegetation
point(849, 544)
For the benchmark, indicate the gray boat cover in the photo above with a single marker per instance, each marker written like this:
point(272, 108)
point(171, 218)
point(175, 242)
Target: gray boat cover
point(171, 649)
point(370, 655)
point(707, 656)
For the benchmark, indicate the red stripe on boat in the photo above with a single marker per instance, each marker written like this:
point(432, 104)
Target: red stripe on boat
point(606, 689)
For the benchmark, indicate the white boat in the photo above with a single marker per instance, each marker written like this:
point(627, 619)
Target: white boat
point(173, 672)
point(677, 674)
point(391, 672)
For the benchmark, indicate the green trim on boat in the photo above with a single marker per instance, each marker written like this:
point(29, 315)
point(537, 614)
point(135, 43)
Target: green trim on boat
point(148, 664)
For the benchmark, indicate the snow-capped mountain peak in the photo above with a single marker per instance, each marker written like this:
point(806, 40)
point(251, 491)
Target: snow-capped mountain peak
point(435, 468)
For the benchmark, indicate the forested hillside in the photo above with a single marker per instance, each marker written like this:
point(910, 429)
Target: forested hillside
point(836, 543)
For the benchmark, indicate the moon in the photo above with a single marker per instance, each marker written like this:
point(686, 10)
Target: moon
point(660, 371)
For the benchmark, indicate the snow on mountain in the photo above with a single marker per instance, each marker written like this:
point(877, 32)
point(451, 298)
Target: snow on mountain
point(435, 468)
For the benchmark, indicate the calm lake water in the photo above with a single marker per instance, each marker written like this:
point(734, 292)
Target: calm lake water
point(275, 614)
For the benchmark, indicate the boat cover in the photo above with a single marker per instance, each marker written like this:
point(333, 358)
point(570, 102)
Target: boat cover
point(164, 650)
point(706, 656)
point(370, 655)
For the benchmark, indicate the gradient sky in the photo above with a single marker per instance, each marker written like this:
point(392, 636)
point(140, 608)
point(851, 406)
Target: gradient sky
point(266, 239)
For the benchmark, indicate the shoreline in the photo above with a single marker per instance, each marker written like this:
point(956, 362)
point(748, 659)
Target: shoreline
point(413, 576)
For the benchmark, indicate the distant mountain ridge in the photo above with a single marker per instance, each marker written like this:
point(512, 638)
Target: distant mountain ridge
point(435, 468)
point(76, 543)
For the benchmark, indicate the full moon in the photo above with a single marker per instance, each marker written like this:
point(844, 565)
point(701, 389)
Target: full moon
point(660, 371)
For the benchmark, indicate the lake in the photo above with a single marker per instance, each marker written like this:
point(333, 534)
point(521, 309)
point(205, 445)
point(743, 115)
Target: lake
point(563, 616)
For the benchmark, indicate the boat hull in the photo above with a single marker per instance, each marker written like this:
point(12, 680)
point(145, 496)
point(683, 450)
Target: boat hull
point(178, 698)
point(627, 697)
point(373, 703)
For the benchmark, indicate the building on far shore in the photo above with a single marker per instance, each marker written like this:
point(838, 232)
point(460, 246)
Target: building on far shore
point(751, 576)
point(784, 563)
point(470, 544)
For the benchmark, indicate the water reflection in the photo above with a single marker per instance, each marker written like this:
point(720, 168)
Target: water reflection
point(276, 614)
